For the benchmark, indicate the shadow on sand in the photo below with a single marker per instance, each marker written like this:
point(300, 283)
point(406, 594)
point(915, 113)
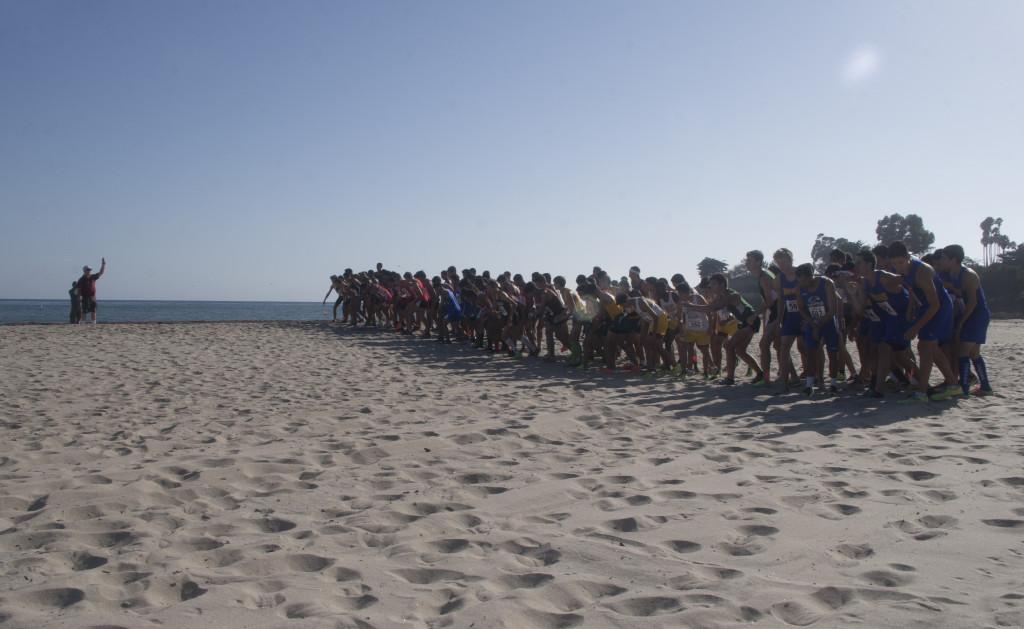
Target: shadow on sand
point(745, 406)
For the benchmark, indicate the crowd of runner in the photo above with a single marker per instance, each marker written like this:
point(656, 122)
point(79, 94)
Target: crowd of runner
point(876, 302)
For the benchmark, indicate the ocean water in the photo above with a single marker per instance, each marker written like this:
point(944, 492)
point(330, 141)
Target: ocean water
point(113, 310)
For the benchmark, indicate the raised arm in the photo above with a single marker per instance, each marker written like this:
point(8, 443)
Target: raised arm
point(103, 267)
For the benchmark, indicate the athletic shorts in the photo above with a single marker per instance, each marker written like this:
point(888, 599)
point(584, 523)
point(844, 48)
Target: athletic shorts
point(339, 300)
point(88, 304)
point(975, 329)
point(728, 329)
point(626, 325)
point(660, 325)
point(756, 325)
point(939, 328)
point(829, 335)
point(696, 336)
point(792, 324)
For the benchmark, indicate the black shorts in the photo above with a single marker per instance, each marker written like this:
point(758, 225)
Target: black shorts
point(670, 336)
point(626, 325)
point(88, 304)
point(339, 300)
point(755, 324)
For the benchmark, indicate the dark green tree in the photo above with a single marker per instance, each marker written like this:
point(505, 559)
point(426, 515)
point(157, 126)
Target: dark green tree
point(709, 266)
point(910, 229)
point(824, 245)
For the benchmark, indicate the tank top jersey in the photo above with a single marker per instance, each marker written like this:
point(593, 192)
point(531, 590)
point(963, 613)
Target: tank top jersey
point(744, 313)
point(790, 293)
point(940, 290)
point(816, 300)
point(695, 321)
point(957, 284)
point(883, 303)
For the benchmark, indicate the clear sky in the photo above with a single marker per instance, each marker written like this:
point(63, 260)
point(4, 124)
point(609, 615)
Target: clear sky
point(247, 149)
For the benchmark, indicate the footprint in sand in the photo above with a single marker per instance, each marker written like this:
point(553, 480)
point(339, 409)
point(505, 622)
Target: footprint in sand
point(747, 544)
point(854, 551)
point(645, 606)
point(529, 580)
point(1007, 524)
point(683, 546)
point(795, 613)
point(54, 598)
point(886, 578)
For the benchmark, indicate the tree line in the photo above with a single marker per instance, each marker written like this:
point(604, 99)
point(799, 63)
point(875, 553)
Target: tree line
point(1001, 267)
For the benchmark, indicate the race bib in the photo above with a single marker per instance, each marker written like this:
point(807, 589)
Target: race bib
point(696, 321)
point(817, 310)
point(792, 306)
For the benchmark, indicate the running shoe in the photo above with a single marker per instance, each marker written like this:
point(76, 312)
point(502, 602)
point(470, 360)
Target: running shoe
point(915, 398)
point(948, 393)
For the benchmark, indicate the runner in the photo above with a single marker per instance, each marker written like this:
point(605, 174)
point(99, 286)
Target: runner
point(817, 304)
point(747, 324)
point(768, 312)
point(970, 330)
point(788, 308)
point(338, 287)
point(932, 324)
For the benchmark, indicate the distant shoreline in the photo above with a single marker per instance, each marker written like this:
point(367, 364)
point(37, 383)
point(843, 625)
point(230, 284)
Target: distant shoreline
point(165, 301)
point(172, 322)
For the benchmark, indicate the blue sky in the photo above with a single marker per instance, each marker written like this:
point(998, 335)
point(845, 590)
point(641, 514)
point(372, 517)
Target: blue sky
point(246, 150)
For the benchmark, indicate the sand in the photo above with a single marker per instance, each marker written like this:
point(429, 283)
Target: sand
point(299, 475)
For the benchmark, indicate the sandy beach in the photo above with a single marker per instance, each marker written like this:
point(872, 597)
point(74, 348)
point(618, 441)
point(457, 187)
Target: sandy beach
point(302, 475)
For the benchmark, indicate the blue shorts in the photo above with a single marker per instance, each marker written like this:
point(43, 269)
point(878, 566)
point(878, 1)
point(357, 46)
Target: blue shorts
point(829, 335)
point(940, 328)
point(975, 329)
point(891, 331)
point(876, 331)
point(792, 324)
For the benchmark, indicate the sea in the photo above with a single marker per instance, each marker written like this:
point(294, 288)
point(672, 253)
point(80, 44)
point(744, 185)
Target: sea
point(115, 310)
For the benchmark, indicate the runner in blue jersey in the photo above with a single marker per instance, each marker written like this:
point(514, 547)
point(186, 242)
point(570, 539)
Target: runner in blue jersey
point(970, 329)
point(932, 323)
point(882, 301)
point(816, 303)
point(787, 293)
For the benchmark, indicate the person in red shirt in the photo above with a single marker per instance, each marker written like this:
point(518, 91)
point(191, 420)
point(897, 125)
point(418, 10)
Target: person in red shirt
point(87, 290)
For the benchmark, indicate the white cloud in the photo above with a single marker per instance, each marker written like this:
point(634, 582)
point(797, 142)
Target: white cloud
point(860, 65)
